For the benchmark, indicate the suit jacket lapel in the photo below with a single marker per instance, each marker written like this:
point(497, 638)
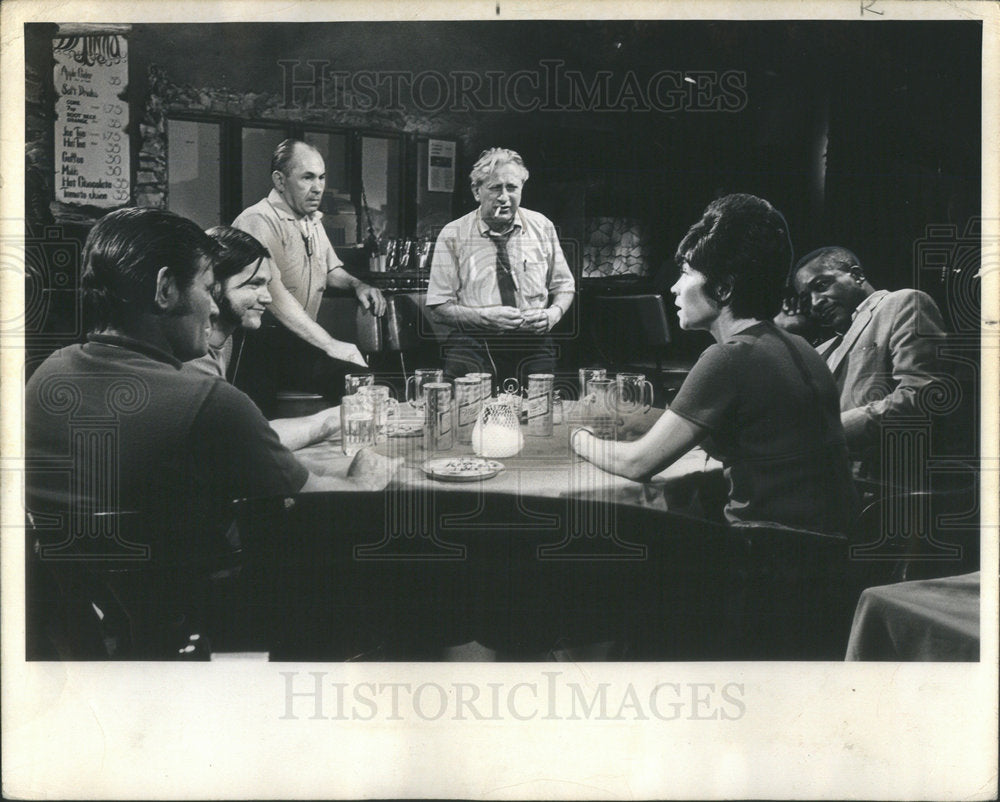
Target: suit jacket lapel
point(858, 325)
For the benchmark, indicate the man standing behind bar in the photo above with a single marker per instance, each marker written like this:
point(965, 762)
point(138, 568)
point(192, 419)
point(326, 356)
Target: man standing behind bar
point(499, 278)
point(293, 351)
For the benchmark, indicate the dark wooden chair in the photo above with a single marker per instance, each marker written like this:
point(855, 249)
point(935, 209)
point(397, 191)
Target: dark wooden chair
point(106, 593)
point(907, 535)
point(405, 327)
point(631, 329)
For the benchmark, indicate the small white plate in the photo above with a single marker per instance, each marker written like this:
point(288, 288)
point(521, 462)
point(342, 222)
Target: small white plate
point(461, 469)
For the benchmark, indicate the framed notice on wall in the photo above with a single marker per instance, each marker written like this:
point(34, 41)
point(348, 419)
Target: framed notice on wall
point(91, 143)
point(440, 165)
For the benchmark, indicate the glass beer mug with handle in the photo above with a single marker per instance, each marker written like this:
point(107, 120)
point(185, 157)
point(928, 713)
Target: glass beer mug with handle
point(633, 393)
point(355, 381)
point(357, 422)
point(386, 407)
point(420, 377)
point(598, 408)
point(588, 374)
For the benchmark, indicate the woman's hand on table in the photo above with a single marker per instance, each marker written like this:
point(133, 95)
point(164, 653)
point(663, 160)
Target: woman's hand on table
point(635, 424)
point(582, 432)
point(670, 437)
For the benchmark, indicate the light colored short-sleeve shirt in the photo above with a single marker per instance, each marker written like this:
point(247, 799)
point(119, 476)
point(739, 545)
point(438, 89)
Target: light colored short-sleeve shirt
point(215, 362)
point(301, 253)
point(463, 268)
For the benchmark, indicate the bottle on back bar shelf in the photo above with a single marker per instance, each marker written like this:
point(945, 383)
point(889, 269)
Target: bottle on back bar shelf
point(376, 259)
point(423, 251)
point(390, 255)
point(404, 255)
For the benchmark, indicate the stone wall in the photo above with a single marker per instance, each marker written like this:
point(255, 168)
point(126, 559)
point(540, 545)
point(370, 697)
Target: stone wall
point(150, 185)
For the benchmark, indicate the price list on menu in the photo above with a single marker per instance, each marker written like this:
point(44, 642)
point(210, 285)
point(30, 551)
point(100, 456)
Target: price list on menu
point(91, 142)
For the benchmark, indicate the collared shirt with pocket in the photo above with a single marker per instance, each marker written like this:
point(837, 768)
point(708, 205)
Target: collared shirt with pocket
point(464, 264)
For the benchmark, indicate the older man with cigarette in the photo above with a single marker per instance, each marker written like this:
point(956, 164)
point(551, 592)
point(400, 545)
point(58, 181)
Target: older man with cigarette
point(499, 279)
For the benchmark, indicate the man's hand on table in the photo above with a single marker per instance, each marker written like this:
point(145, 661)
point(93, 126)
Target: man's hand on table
point(371, 471)
point(329, 423)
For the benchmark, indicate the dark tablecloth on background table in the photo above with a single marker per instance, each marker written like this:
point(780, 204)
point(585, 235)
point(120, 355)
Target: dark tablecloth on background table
point(931, 619)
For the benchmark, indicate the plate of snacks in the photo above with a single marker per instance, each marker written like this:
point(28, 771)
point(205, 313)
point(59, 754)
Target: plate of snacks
point(461, 469)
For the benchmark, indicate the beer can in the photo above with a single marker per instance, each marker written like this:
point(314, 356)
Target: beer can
point(467, 405)
point(438, 433)
point(540, 404)
point(485, 385)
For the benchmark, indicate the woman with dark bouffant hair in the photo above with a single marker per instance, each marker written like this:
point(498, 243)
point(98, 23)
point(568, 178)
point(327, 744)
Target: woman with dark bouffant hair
point(760, 400)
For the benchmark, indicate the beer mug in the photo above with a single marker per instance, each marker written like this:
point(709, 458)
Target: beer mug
point(586, 374)
point(357, 423)
point(385, 407)
point(354, 381)
point(420, 377)
point(598, 407)
point(633, 392)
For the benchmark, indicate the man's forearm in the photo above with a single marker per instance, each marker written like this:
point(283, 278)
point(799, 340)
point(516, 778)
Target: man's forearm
point(296, 433)
point(293, 317)
point(340, 279)
point(458, 316)
point(862, 425)
point(562, 301)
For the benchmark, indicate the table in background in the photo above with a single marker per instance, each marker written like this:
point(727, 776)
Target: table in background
point(931, 620)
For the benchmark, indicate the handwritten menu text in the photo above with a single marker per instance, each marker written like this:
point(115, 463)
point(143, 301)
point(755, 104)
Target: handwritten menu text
point(91, 140)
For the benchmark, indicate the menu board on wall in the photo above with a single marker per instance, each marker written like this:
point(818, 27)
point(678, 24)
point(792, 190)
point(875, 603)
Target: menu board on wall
point(440, 165)
point(91, 144)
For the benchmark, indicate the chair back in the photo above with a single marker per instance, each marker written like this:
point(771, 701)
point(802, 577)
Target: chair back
point(107, 600)
point(625, 320)
point(630, 329)
point(347, 320)
point(403, 322)
point(918, 535)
